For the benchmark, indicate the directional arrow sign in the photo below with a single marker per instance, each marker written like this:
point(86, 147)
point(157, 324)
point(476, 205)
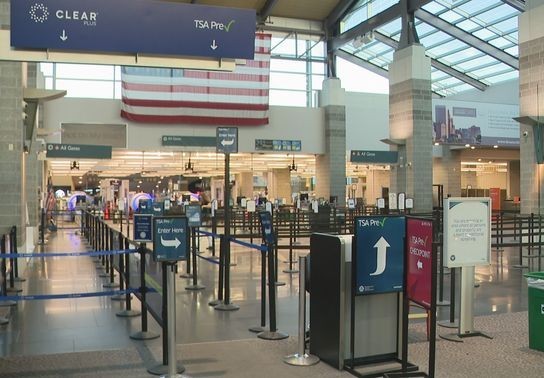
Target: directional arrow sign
point(379, 254)
point(63, 36)
point(227, 140)
point(170, 238)
point(419, 258)
point(214, 45)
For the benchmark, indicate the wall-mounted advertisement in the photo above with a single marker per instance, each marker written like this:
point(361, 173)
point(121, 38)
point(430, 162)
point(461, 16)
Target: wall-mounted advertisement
point(474, 123)
point(467, 231)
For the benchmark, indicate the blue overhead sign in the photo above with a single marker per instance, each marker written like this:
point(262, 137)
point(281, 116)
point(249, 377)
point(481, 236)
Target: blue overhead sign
point(142, 227)
point(134, 27)
point(379, 254)
point(170, 238)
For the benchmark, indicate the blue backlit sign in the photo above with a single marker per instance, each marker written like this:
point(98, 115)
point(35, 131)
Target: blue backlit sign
point(266, 227)
point(134, 27)
point(379, 254)
point(142, 227)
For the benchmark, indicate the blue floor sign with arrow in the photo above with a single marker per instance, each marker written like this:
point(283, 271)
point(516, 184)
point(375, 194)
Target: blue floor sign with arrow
point(170, 238)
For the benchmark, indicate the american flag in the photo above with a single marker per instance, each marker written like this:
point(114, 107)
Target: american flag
point(182, 96)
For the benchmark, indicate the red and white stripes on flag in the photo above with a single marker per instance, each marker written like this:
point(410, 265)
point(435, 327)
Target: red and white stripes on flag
point(165, 95)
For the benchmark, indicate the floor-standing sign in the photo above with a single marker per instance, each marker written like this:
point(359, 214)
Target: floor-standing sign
point(467, 243)
point(377, 280)
point(421, 277)
point(143, 227)
point(170, 241)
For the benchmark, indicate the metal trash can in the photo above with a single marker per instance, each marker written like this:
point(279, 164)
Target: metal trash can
point(535, 284)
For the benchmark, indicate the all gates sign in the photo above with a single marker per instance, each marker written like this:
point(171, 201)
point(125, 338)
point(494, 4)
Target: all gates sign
point(419, 255)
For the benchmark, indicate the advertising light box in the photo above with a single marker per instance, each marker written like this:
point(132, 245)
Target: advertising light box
point(379, 254)
point(467, 231)
point(419, 255)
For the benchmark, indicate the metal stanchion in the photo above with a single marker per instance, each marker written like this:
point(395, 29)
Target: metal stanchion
point(520, 246)
point(261, 328)
point(292, 239)
point(221, 273)
point(15, 262)
point(301, 358)
point(227, 305)
point(273, 333)
point(112, 284)
point(4, 276)
point(195, 286)
point(12, 288)
point(451, 323)
point(128, 312)
point(144, 334)
point(121, 270)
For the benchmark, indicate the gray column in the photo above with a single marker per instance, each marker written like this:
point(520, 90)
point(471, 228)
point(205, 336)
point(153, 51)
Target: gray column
point(447, 170)
point(531, 102)
point(410, 125)
point(245, 184)
point(331, 167)
point(279, 184)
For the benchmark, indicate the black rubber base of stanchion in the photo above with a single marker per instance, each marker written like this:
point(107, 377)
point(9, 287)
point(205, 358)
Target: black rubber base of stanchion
point(127, 313)
point(186, 275)
point(164, 369)
point(195, 287)
point(13, 290)
point(111, 285)
point(19, 279)
point(144, 336)
point(226, 307)
point(257, 329)
point(269, 335)
point(290, 271)
point(7, 303)
point(215, 303)
point(442, 303)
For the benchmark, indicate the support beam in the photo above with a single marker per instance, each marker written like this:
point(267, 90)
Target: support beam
point(388, 15)
point(338, 13)
point(436, 64)
point(467, 38)
point(266, 10)
point(516, 4)
point(362, 63)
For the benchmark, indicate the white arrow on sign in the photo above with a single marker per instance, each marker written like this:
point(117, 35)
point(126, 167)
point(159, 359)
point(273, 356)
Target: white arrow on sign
point(225, 142)
point(63, 36)
point(419, 264)
point(381, 245)
point(170, 243)
point(214, 45)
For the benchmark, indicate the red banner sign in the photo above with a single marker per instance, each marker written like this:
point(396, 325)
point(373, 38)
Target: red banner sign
point(419, 234)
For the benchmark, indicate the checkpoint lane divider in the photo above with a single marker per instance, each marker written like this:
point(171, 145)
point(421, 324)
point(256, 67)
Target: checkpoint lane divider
point(38, 297)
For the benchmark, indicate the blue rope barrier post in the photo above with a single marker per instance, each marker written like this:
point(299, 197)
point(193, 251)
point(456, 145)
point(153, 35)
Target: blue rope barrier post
point(144, 334)
point(220, 279)
point(195, 286)
point(122, 274)
point(15, 251)
point(12, 288)
point(4, 287)
point(112, 283)
point(104, 247)
point(187, 273)
point(292, 241)
point(226, 305)
point(42, 227)
point(272, 333)
point(128, 311)
point(261, 328)
point(214, 231)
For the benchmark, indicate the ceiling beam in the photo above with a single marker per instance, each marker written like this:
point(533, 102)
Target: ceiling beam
point(266, 10)
point(362, 63)
point(436, 64)
point(338, 13)
point(516, 4)
point(382, 18)
point(467, 38)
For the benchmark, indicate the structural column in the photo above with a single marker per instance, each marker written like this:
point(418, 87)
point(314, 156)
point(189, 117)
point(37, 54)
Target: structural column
point(447, 170)
point(410, 125)
point(279, 184)
point(331, 167)
point(531, 102)
point(244, 181)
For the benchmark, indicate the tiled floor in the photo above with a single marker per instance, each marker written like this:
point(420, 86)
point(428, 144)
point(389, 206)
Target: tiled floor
point(87, 324)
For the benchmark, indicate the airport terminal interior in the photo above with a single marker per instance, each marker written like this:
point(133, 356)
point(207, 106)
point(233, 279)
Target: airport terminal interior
point(271, 188)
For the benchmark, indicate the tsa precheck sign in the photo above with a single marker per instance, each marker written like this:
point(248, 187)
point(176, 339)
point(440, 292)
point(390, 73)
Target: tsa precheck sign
point(134, 27)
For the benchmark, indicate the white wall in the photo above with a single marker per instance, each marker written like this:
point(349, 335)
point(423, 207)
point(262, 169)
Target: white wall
point(503, 93)
point(288, 123)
